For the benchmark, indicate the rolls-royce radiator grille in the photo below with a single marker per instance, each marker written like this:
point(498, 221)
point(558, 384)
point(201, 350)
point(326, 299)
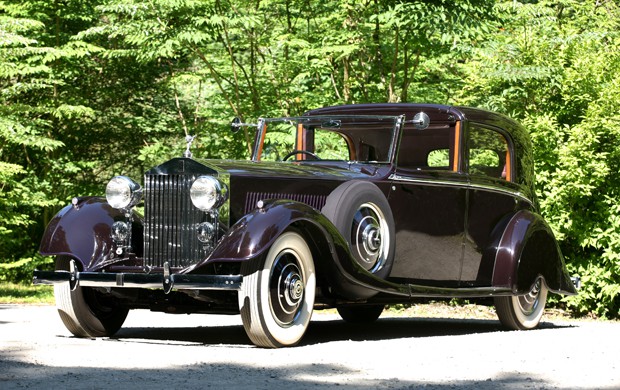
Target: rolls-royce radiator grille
point(170, 222)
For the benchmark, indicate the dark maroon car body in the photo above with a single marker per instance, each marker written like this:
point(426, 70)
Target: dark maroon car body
point(459, 230)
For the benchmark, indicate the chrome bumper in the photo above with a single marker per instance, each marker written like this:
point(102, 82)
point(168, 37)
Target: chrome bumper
point(165, 281)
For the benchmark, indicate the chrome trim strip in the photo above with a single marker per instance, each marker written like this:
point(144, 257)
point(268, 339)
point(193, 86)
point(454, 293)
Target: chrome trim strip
point(431, 182)
point(416, 290)
point(502, 191)
point(464, 184)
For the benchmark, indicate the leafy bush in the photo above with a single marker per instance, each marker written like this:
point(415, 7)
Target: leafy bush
point(110, 85)
point(21, 271)
point(554, 66)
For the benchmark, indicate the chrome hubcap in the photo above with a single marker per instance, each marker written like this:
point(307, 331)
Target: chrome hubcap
point(293, 288)
point(286, 288)
point(529, 302)
point(369, 236)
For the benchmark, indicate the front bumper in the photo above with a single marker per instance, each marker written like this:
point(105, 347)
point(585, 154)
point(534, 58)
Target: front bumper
point(165, 281)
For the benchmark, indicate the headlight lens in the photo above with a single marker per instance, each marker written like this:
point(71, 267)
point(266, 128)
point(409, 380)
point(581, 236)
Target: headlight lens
point(207, 193)
point(122, 192)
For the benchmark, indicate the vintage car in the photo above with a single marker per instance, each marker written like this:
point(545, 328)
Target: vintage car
point(349, 207)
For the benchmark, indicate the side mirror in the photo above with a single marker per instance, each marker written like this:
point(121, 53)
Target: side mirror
point(235, 125)
point(331, 124)
point(421, 121)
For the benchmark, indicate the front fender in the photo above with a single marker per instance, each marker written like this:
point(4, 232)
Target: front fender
point(254, 234)
point(82, 231)
point(528, 249)
point(256, 231)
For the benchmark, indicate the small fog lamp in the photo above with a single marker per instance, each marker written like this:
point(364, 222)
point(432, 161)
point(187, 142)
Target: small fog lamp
point(120, 231)
point(205, 232)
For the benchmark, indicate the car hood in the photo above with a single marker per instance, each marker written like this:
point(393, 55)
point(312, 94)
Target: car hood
point(337, 170)
point(322, 170)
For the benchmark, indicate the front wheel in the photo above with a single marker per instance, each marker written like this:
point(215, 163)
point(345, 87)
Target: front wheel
point(524, 311)
point(277, 295)
point(85, 312)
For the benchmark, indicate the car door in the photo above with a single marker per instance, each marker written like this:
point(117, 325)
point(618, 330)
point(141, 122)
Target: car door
point(428, 200)
point(493, 198)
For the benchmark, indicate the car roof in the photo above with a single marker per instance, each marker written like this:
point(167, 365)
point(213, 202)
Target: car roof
point(439, 114)
point(436, 112)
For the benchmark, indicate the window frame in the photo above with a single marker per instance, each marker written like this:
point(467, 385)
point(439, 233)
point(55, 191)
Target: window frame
point(454, 150)
point(509, 161)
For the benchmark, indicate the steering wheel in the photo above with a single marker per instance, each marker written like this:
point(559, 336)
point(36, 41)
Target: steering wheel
point(294, 152)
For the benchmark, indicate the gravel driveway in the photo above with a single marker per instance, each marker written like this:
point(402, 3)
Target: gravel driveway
point(155, 350)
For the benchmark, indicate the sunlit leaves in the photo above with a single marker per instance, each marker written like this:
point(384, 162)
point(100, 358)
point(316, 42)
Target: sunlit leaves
point(94, 88)
point(554, 66)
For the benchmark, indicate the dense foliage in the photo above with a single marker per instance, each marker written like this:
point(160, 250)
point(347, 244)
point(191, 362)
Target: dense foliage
point(554, 66)
point(99, 87)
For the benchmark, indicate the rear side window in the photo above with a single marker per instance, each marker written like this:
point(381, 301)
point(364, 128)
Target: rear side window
point(488, 153)
point(438, 158)
point(428, 149)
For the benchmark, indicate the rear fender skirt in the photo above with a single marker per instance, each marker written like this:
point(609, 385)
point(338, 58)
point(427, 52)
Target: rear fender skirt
point(528, 250)
point(82, 232)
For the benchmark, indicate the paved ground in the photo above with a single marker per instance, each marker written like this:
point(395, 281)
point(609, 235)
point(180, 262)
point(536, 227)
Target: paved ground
point(156, 350)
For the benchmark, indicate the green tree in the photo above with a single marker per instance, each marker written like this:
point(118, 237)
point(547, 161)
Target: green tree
point(69, 118)
point(554, 66)
point(282, 57)
point(24, 129)
point(100, 87)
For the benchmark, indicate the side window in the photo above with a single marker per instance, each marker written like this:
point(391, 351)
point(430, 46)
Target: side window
point(330, 145)
point(429, 149)
point(438, 158)
point(279, 140)
point(489, 153)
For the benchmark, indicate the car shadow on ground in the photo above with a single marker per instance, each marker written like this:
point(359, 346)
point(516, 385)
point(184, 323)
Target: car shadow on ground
point(324, 331)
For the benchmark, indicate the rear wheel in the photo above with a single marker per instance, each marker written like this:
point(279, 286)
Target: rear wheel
point(524, 311)
point(277, 295)
point(86, 312)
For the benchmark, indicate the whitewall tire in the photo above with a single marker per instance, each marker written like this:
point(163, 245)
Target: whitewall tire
point(523, 311)
point(84, 311)
point(278, 291)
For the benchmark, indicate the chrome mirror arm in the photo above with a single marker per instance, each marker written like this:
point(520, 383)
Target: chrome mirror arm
point(236, 124)
point(420, 121)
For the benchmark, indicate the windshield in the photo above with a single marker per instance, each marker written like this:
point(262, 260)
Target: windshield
point(313, 138)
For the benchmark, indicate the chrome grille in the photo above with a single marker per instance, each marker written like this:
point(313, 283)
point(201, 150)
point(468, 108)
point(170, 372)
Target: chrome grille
point(316, 201)
point(170, 222)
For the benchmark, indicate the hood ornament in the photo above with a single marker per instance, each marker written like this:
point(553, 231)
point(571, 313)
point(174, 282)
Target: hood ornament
point(189, 139)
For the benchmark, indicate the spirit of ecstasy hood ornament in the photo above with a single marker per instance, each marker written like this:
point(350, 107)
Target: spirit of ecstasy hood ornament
point(189, 139)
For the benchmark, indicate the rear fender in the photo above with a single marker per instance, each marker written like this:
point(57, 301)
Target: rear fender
point(528, 250)
point(82, 232)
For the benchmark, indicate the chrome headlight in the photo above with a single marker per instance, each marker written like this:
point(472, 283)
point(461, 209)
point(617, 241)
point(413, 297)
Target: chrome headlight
point(207, 193)
point(122, 192)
